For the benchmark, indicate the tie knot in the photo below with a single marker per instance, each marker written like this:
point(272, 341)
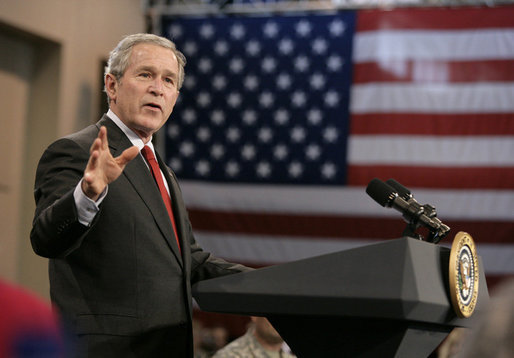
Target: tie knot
point(147, 153)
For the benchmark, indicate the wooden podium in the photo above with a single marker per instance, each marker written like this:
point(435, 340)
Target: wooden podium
point(389, 299)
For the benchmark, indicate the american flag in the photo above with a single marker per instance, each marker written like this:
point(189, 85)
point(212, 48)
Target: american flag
point(284, 119)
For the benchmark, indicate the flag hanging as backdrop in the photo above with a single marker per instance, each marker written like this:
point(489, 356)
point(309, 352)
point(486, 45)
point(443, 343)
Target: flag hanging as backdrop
point(283, 120)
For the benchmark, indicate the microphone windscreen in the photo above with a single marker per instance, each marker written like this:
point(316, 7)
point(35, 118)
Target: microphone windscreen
point(380, 192)
point(400, 189)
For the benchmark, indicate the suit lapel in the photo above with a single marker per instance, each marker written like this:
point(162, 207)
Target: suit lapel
point(141, 179)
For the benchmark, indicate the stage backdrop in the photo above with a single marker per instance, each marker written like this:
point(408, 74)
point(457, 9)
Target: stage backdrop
point(284, 119)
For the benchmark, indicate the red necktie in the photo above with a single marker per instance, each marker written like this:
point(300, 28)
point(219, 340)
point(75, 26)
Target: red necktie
point(156, 172)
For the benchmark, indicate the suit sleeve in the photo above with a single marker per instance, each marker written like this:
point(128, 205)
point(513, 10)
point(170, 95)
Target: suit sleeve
point(56, 230)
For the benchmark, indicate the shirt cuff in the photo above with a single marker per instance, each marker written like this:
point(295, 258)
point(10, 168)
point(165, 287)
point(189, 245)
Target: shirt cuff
point(86, 208)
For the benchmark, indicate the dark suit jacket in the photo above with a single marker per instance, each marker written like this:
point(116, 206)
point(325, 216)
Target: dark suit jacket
point(124, 274)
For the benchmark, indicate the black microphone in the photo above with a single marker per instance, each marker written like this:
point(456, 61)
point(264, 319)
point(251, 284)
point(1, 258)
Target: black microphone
point(395, 195)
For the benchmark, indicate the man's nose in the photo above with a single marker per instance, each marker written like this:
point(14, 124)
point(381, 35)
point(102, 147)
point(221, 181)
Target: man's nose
point(156, 87)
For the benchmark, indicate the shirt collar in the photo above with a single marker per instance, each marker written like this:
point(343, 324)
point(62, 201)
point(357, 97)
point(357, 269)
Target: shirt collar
point(131, 135)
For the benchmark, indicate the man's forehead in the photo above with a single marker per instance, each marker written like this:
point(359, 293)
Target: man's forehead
point(152, 53)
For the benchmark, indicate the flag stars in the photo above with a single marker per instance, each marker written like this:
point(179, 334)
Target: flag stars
point(203, 134)
point(233, 134)
point(319, 46)
point(266, 99)
point(299, 98)
point(234, 99)
point(217, 151)
point(334, 63)
point(236, 65)
point(313, 152)
point(303, 28)
point(314, 116)
point(295, 169)
point(175, 164)
point(221, 48)
point(298, 134)
point(218, 117)
point(251, 82)
point(337, 28)
point(175, 31)
point(248, 152)
point(206, 31)
point(203, 168)
point(253, 48)
point(203, 99)
point(190, 82)
point(187, 149)
point(190, 48)
point(301, 63)
point(237, 31)
point(331, 99)
point(281, 116)
point(173, 131)
point(280, 152)
point(285, 46)
point(232, 169)
point(263, 169)
point(328, 170)
point(268, 64)
point(249, 117)
point(219, 82)
point(265, 134)
point(284, 81)
point(204, 65)
point(189, 116)
point(330, 134)
point(271, 29)
point(317, 81)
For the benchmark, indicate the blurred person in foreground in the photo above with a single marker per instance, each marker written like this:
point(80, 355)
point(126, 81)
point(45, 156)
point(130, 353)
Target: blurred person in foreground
point(111, 218)
point(260, 341)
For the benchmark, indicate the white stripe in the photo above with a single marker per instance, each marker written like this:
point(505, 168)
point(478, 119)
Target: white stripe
point(346, 201)
point(479, 97)
point(497, 259)
point(431, 151)
point(377, 46)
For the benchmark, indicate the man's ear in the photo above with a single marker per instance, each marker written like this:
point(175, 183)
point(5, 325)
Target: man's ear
point(111, 86)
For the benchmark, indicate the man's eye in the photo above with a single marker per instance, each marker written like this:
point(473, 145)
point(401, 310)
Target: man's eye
point(144, 74)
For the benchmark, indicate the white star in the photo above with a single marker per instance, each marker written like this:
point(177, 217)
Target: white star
point(314, 116)
point(319, 46)
point(270, 29)
point(217, 151)
point(249, 117)
point(190, 48)
point(330, 134)
point(312, 152)
point(263, 169)
point(268, 64)
point(295, 169)
point(175, 164)
point(233, 134)
point(203, 99)
point(236, 65)
point(189, 115)
point(297, 134)
point(221, 47)
point(265, 134)
point(237, 31)
point(173, 131)
point(331, 98)
point(248, 152)
point(337, 27)
point(253, 48)
point(303, 28)
point(334, 63)
point(203, 134)
point(301, 63)
point(175, 31)
point(283, 81)
point(280, 152)
point(285, 46)
point(328, 170)
point(202, 167)
point(266, 99)
point(234, 99)
point(298, 98)
point(218, 117)
point(187, 149)
point(232, 168)
point(317, 81)
point(219, 82)
point(204, 65)
point(281, 116)
point(206, 31)
point(189, 82)
point(251, 82)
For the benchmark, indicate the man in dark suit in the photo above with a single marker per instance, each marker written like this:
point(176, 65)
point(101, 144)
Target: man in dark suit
point(121, 267)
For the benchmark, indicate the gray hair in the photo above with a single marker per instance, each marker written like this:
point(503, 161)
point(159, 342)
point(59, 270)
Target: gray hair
point(119, 57)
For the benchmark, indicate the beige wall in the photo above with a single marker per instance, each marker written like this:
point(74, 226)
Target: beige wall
point(50, 57)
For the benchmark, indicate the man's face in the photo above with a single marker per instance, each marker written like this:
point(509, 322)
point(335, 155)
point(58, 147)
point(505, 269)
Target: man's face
point(145, 95)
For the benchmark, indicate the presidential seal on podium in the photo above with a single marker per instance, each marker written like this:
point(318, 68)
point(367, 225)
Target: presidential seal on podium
point(464, 272)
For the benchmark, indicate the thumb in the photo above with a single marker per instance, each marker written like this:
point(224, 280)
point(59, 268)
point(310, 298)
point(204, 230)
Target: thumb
point(127, 155)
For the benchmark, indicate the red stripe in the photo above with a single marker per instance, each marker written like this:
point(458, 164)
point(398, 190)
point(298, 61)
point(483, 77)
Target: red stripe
point(447, 124)
point(435, 177)
point(431, 71)
point(317, 226)
point(436, 18)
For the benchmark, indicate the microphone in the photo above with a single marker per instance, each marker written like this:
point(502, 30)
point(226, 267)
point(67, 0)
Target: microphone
point(393, 194)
